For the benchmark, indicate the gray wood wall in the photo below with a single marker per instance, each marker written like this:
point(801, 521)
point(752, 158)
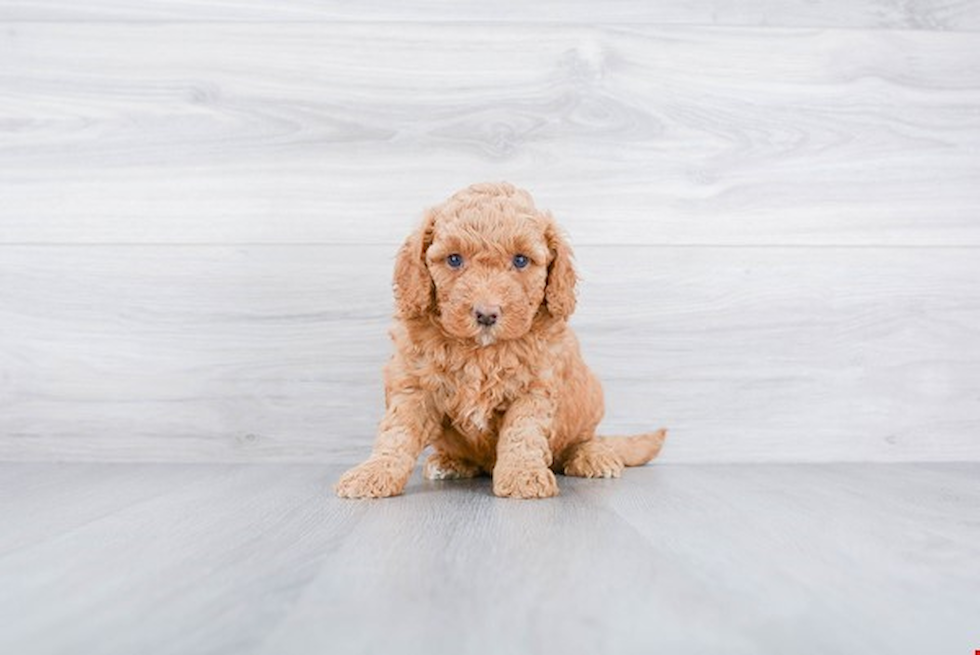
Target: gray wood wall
point(775, 207)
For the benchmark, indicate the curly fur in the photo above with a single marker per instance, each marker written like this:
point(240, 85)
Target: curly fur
point(513, 399)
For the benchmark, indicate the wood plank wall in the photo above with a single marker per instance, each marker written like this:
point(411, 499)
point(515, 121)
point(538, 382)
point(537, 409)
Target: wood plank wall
point(775, 208)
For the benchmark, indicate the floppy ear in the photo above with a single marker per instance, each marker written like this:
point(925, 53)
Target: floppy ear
point(559, 294)
point(412, 284)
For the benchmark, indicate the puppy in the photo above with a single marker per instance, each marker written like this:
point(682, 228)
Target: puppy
point(486, 369)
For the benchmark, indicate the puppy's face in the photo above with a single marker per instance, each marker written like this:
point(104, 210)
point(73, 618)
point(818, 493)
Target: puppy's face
point(483, 264)
point(489, 274)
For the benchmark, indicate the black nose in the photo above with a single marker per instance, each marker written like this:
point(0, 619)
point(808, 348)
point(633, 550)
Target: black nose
point(486, 315)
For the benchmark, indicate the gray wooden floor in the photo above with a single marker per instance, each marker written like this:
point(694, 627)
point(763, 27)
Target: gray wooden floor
point(242, 559)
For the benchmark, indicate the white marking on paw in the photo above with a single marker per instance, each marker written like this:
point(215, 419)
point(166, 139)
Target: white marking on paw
point(436, 473)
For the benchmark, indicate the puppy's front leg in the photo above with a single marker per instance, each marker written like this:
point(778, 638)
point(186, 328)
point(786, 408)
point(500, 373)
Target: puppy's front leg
point(405, 430)
point(523, 453)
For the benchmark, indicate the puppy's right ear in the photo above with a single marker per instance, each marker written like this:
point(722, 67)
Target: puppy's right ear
point(412, 284)
point(559, 293)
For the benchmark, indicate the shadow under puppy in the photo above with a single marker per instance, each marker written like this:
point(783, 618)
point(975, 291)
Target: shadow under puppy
point(486, 369)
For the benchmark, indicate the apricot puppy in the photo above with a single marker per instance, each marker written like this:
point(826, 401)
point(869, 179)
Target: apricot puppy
point(486, 369)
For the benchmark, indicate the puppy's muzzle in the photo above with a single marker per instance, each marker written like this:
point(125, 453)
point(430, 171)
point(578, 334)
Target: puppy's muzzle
point(486, 315)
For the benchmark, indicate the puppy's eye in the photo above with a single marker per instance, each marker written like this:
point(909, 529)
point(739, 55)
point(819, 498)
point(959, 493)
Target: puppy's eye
point(520, 261)
point(454, 260)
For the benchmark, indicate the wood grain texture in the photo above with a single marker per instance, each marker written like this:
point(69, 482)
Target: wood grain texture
point(343, 133)
point(242, 560)
point(894, 14)
point(274, 352)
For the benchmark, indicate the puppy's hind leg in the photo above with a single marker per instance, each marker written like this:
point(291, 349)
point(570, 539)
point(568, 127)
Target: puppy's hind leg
point(595, 458)
point(442, 466)
point(605, 457)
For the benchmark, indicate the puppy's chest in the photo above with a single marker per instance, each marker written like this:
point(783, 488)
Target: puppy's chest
point(475, 398)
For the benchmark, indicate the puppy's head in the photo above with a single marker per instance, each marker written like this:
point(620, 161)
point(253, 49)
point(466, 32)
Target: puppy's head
point(484, 263)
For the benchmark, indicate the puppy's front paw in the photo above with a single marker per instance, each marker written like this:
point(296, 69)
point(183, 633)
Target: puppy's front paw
point(375, 478)
point(525, 483)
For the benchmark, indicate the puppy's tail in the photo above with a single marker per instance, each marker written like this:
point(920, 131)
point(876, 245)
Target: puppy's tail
point(639, 449)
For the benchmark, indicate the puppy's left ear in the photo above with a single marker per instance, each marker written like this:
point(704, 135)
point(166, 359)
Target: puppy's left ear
point(412, 284)
point(559, 294)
